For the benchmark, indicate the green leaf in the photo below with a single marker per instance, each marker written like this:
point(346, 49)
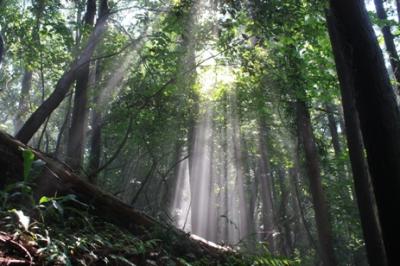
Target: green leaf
point(44, 199)
point(28, 157)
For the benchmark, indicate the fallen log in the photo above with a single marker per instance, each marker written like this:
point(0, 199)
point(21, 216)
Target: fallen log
point(58, 179)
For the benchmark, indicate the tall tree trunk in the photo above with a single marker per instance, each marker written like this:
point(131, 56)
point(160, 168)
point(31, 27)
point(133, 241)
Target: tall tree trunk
point(301, 208)
point(1, 48)
point(365, 199)
point(62, 87)
point(238, 159)
point(389, 41)
point(333, 130)
point(398, 10)
point(95, 145)
point(378, 113)
point(23, 99)
point(299, 229)
point(266, 186)
point(283, 215)
point(62, 137)
point(226, 172)
point(79, 112)
point(306, 137)
point(96, 122)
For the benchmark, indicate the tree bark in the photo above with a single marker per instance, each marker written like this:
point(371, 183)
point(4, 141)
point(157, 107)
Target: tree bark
point(378, 113)
point(333, 130)
point(283, 215)
point(78, 127)
point(389, 41)
point(1, 48)
point(306, 137)
point(62, 87)
point(95, 145)
point(398, 10)
point(238, 160)
point(23, 99)
point(365, 199)
point(225, 172)
point(266, 186)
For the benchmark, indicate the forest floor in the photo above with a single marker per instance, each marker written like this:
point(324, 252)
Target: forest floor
point(62, 231)
point(55, 232)
point(82, 225)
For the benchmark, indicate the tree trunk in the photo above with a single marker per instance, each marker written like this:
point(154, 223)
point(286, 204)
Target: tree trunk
point(1, 48)
point(299, 230)
point(77, 130)
point(378, 113)
point(306, 137)
point(333, 130)
point(238, 161)
point(398, 10)
point(283, 216)
point(301, 208)
point(62, 138)
point(389, 41)
point(365, 199)
point(95, 145)
point(226, 172)
point(23, 99)
point(266, 186)
point(96, 123)
point(62, 87)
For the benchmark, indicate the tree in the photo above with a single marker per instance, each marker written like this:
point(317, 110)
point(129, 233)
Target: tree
point(77, 130)
point(1, 47)
point(389, 40)
point(23, 99)
point(63, 85)
point(266, 186)
point(362, 183)
point(306, 138)
point(378, 113)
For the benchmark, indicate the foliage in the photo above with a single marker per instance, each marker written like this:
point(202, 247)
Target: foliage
point(61, 231)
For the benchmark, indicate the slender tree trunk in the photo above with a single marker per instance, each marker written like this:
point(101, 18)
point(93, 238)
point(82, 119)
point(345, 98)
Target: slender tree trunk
point(79, 112)
point(389, 41)
point(1, 48)
point(225, 173)
point(301, 209)
point(306, 137)
point(23, 99)
point(95, 145)
point(299, 230)
point(333, 130)
point(62, 137)
point(378, 113)
point(250, 192)
point(398, 10)
point(365, 199)
point(253, 195)
point(266, 186)
point(95, 141)
point(171, 184)
point(238, 158)
point(283, 220)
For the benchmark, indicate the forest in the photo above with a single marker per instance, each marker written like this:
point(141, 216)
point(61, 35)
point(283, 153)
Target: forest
point(199, 132)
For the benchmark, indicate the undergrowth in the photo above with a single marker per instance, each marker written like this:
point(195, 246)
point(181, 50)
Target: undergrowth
point(62, 231)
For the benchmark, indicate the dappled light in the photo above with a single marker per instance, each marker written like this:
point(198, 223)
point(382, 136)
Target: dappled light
point(199, 132)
